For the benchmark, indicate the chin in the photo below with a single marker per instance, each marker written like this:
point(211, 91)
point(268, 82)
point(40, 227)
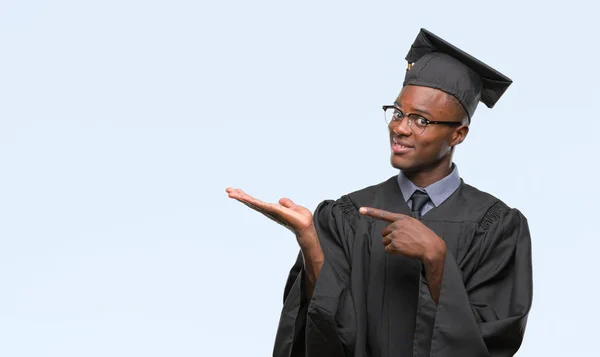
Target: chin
point(407, 164)
point(402, 163)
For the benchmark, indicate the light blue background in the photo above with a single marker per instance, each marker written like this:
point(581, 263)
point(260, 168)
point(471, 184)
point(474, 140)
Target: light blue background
point(122, 122)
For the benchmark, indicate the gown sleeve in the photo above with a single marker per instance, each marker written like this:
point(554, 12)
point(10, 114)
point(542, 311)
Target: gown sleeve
point(485, 299)
point(325, 325)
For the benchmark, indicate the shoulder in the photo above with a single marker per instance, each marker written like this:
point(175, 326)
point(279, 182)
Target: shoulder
point(488, 209)
point(498, 228)
point(372, 195)
point(347, 205)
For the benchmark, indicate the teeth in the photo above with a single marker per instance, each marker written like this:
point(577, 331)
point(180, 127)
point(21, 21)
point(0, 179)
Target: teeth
point(402, 146)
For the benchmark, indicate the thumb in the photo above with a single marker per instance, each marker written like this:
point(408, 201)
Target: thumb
point(286, 202)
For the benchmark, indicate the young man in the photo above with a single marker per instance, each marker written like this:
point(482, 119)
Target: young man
point(421, 264)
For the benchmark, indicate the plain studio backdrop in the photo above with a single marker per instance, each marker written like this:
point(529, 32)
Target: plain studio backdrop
point(122, 123)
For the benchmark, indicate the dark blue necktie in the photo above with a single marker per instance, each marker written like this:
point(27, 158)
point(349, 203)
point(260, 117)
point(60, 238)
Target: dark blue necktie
point(419, 199)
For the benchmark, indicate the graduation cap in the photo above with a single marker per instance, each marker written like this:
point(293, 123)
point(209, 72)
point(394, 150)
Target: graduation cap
point(435, 63)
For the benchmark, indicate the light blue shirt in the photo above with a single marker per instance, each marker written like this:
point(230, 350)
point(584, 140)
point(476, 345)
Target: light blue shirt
point(438, 192)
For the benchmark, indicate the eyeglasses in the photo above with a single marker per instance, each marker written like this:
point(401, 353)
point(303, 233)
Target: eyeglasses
point(416, 123)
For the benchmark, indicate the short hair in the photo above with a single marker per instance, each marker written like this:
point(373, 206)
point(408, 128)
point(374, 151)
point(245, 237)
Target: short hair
point(458, 109)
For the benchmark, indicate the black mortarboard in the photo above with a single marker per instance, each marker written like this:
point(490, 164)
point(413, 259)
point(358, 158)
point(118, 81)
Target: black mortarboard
point(433, 62)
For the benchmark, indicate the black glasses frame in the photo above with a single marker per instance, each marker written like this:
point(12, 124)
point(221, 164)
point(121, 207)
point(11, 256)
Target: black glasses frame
point(449, 123)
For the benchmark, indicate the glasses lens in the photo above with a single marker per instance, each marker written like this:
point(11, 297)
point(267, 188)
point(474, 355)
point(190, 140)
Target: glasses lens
point(392, 115)
point(417, 124)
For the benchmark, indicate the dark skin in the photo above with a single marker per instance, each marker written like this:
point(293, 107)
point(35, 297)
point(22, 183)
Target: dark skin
point(409, 237)
point(427, 160)
point(430, 158)
point(297, 219)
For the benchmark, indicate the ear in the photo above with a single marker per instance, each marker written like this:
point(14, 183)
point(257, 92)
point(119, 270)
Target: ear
point(459, 135)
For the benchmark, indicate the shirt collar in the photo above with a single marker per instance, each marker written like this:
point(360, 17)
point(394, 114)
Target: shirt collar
point(438, 192)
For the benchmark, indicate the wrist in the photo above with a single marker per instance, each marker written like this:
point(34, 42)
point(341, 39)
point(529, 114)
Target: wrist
point(307, 238)
point(435, 253)
point(310, 246)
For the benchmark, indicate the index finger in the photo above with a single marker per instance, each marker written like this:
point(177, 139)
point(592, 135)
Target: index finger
point(380, 214)
point(250, 201)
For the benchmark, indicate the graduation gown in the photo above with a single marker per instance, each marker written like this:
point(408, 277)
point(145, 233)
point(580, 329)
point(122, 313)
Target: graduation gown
point(368, 303)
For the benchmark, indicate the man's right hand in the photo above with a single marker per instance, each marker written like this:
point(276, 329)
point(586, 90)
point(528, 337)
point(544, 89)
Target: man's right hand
point(296, 218)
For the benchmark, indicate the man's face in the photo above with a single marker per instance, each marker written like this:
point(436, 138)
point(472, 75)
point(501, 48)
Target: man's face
point(433, 147)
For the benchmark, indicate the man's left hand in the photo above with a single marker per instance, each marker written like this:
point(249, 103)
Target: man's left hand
point(408, 236)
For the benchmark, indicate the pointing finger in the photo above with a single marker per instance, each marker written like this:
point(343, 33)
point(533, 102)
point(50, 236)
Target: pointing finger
point(380, 214)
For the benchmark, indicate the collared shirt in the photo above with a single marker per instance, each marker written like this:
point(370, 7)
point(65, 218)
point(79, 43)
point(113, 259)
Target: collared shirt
point(438, 192)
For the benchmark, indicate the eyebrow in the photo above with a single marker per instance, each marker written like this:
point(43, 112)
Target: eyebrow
point(422, 111)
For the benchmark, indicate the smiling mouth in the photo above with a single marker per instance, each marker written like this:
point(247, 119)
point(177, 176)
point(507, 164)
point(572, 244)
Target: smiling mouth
point(399, 147)
point(401, 143)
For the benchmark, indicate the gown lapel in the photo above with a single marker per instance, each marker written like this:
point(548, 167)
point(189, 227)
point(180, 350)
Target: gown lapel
point(394, 282)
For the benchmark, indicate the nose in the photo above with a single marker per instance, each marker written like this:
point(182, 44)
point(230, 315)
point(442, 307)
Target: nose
point(401, 128)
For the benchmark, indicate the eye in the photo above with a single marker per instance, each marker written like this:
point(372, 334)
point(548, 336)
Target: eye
point(419, 121)
point(398, 115)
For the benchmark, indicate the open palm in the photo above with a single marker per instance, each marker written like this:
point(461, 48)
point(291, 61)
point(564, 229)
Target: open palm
point(296, 218)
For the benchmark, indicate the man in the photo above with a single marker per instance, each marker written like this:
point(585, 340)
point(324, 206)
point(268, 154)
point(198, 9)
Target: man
point(421, 264)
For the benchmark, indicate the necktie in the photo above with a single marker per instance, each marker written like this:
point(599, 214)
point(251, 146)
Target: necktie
point(419, 199)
